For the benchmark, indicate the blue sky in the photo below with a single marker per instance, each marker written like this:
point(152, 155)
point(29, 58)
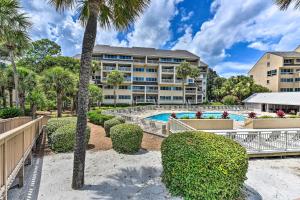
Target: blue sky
point(229, 35)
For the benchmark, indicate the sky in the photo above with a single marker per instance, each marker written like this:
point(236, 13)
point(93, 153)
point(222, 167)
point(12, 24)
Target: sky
point(229, 35)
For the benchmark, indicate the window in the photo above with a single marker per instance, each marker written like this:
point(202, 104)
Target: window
point(286, 71)
point(150, 79)
point(97, 77)
point(287, 80)
point(124, 87)
point(175, 98)
point(298, 60)
point(106, 56)
point(165, 88)
point(268, 81)
point(177, 60)
point(297, 79)
point(191, 80)
point(268, 64)
point(166, 59)
point(165, 97)
point(286, 89)
point(108, 87)
point(124, 97)
point(177, 88)
point(138, 69)
point(272, 72)
point(288, 61)
point(125, 57)
point(109, 97)
point(139, 79)
point(138, 88)
point(297, 70)
point(297, 89)
point(151, 70)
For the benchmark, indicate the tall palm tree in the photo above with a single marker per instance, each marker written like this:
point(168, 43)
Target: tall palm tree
point(13, 34)
point(116, 13)
point(115, 78)
point(284, 4)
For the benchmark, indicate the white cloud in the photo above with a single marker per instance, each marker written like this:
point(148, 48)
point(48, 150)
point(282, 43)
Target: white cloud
point(257, 22)
point(186, 16)
point(227, 69)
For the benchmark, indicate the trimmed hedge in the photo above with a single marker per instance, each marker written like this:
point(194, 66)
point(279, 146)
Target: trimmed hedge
point(10, 113)
point(63, 139)
point(121, 119)
point(55, 123)
point(198, 165)
point(109, 124)
point(126, 138)
point(96, 117)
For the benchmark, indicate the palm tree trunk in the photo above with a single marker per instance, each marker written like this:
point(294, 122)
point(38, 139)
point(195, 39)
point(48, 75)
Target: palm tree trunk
point(183, 92)
point(10, 98)
point(33, 109)
point(3, 96)
point(16, 76)
point(115, 97)
point(22, 101)
point(85, 69)
point(59, 104)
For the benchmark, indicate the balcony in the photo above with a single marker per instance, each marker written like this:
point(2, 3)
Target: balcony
point(150, 100)
point(139, 60)
point(140, 100)
point(108, 68)
point(167, 70)
point(125, 69)
point(127, 79)
point(151, 91)
point(152, 61)
point(190, 92)
point(167, 80)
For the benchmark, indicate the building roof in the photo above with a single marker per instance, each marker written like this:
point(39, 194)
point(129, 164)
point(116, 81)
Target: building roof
point(291, 54)
point(281, 98)
point(142, 51)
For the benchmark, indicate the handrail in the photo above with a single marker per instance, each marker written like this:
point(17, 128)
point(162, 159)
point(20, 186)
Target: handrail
point(175, 125)
point(11, 123)
point(15, 146)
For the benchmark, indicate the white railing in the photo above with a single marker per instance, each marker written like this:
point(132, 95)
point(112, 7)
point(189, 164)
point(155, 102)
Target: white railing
point(176, 126)
point(109, 68)
point(168, 70)
point(127, 69)
point(167, 80)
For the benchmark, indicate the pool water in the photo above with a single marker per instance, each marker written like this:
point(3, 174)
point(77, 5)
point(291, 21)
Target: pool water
point(164, 117)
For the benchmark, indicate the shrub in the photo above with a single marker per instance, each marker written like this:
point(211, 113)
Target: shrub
point(109, 124)
point(185, 117)
point(10, 113)
point(225, 115)
point(199, 115)
point(63, 139)
point(211, 117)
point(230, 100)
point(265, 117)
point(55, 123)
point(174, 115)
point(121, 119)
point(280, 114)
point(252, 115)
point(126, 138)
point(206, 166)
point(97, 118)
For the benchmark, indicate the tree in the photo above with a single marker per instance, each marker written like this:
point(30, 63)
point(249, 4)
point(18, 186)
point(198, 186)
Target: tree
point(65, 62)
point(284, 4)
point(183, 71)
point(13, 33)
point(3, 85)
point(106, 13)
point(61, 81)
point(37, 52)
point(115, 78)
point(211, 76)
point(95, 94)
point(36, 99)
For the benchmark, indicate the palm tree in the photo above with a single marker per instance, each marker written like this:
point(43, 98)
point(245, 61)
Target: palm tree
point(284, 4)
point(61, 81)
point(116, 13)
point(183, 71)
point(13, 34)
point(115, 78)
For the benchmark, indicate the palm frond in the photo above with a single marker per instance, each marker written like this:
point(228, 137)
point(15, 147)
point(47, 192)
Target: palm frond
point(285, 4)
point(62, 5)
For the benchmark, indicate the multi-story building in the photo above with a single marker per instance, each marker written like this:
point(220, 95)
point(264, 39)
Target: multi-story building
point(278, 71)
point(150, 75)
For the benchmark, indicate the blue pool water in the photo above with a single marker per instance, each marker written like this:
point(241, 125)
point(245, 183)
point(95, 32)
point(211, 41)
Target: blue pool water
point(164, 117)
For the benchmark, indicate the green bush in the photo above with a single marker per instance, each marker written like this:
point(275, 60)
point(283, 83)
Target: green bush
point(230, 100)
point(10, 113)
point(265, 117)
point(126, 138)
point(63, 139)
point(96, 117)
point(121, 119)
point(109, 124)
point(198, 165)
point(55, 123)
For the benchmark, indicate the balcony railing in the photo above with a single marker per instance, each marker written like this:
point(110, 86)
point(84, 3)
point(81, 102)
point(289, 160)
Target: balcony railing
point(126, 69)
point(168, 70)
point(139, 60)
point(109, 68)
point(167, 80)
point(140, 100)
point(190, 91)
point(151, 91)
point(152, 61)
point(150, 100)
point(127, 79)
point(138, 90)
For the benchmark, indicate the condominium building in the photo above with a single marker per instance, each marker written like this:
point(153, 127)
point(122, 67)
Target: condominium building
point(278, 71)
point(150, 75)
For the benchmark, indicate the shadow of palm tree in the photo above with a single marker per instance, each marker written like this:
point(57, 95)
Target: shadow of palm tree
point(131, 183)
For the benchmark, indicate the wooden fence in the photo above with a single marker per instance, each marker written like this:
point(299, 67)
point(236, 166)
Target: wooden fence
point(9, 124)
point(15, 146)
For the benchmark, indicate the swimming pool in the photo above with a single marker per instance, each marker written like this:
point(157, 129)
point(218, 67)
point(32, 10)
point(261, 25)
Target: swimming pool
point(164, 117)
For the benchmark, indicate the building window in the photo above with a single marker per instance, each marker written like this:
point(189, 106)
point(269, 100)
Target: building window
point(106, 56)
point(165, 88)
point(176, 98)
point(286, 71)
point(139, 79)
point(268, 81)
point(108, 87)
point(191, 80)
point(298, 60)
point(297, 89)
point(297, 79)
point(138, 69)
point(124, 87)
point(288, 61)
point(268, 64)
point(178, 60)
point(177, 88)
point(286, 89)
point(150, 79)
point(139, 88)
point(124, 97)
point(286, 80)
point(109, 97)
point(166, 59)
point(272, 72)
point(151, 70)
point(125, 57)
point(165, 97)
